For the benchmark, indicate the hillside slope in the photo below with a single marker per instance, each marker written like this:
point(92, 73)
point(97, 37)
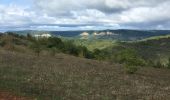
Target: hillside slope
point(152, 49)
point(66, 77)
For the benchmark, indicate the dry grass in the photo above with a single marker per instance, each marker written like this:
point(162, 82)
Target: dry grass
point(66, 77)
point(10, 96)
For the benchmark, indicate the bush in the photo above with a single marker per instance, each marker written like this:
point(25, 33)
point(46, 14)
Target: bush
point(158, 65)
point(53, 51)
point(129, 57)
point(54, 45)
point(69, 48)
point(36, 47)
point(15, 35)
point(84, 52)
point(8, 42)
point(101, 54)
point(131, 69)
point(54, 42)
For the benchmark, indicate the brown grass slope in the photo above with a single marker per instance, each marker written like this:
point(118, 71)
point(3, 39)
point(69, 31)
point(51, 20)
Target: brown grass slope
point(66, 77)
point(10, 96)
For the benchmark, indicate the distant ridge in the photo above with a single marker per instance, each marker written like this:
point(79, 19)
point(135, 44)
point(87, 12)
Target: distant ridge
point(121, 34)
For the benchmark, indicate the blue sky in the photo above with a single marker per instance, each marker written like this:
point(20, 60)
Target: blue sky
point(84, 14)
point(17, 2)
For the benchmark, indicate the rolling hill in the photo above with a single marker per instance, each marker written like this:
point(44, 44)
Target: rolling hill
point(154, 48)
point(121, 34)
point(59, 76)
point(66, 77)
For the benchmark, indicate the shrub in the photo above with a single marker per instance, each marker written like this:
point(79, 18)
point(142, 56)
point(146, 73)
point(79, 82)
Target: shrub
point(158, 65)
point(54, 42)
point(8, 42)
point(129, 57)
point(84, 52)
point(15, 35)
point(100, 54)
point(30, 37)
point(36, 47)
point(131, 69)
point(53, 51)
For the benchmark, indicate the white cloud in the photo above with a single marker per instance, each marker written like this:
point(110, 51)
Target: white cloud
point(63, 7)
point(53, 14)
point(147, 14)
point(13, 15)
point(107, 11)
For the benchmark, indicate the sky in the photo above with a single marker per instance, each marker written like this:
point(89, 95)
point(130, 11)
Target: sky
point(56, 15)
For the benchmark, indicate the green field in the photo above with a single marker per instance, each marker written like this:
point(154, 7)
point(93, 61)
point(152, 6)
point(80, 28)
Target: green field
point(96, 43)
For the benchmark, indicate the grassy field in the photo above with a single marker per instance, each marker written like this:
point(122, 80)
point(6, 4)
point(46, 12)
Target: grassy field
point(155, 38)
point(96, 43)
point(64, 77)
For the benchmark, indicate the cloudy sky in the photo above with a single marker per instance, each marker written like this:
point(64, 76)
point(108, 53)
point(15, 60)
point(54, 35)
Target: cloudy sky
point(84, 14)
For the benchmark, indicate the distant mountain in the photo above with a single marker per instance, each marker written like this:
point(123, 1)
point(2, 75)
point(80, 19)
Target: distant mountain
point(121, 34)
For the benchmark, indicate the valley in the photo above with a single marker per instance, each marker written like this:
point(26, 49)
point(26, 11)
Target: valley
point(84, 50)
